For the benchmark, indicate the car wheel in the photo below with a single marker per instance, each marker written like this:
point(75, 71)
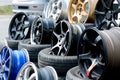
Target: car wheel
point(30, 72)
point(41, 30)
point(33, 50)
point(65, 38)
point(81, 11)
point(107, 14)
point(99, 53)
point(20, 26)
point(57, 9)
point(8, 62)
point(61, 63)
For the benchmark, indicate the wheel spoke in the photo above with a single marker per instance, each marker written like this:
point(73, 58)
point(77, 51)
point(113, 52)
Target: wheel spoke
point(5, 76)
point(56, 35)
point(84, 13)
point(99, 12)
point(16, 36)
point(104, 4)
point(59, 51)
point(94, 63)
point(86, 1)
point(85, 56)
point(4, 54)
point(79, 18)
point(108, 24)
point(102, 23)
point(22, 35)
point(26, 26)
point(26, 73)
point(13, 29)
point(74, 6)
point(16, 21)
point(7, 69)
point(7, 59)
point(23, 18)
point(32, 77)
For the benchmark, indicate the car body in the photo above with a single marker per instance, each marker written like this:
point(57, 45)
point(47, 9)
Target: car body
point(29, 6)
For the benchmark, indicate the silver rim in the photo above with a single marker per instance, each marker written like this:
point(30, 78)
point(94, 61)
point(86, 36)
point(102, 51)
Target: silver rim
point(28, 72)
point(54, 9)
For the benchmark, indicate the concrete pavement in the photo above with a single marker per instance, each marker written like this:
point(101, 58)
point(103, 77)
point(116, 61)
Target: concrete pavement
point(4, 25)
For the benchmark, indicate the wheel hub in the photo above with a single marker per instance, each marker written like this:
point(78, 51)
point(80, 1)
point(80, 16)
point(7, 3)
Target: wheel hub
point(61, 39)
point(109, 15)
point(19, 27)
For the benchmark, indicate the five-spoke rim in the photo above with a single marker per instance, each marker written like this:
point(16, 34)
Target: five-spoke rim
point(78, 11)
point(19, 26)
point(107, 14)
point(61, 39)
point(5, 64)
point(36, 31)
point(92, 59)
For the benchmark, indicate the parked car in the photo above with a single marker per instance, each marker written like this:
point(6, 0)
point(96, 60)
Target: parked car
point(29, 6)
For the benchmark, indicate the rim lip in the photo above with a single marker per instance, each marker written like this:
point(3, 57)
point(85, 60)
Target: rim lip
point(95, 16)
point(104, 51)
point(12, 21)
point(26, 54)
point(49, 6)
point(70, 35)
point(38, 18)
point(55, 73)
point(69, 12)
point(10, 63)
point(30, 64)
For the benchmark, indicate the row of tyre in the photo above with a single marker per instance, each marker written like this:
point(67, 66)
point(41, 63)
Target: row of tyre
point(94, 48)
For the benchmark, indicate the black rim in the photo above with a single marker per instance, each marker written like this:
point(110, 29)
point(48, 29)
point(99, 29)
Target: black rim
point(41, 30)
point(36, 31)
point(19, 26)
point(91, 58)
point(61, 39)
point(107, 14)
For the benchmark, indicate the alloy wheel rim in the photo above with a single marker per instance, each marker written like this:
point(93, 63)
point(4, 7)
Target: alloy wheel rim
point(19, 26)
point(78, 11)
point(54, 9)
point(107, 14)
point(36, 31)
point(61, 39)
point(91, 61)
point(28, 72)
